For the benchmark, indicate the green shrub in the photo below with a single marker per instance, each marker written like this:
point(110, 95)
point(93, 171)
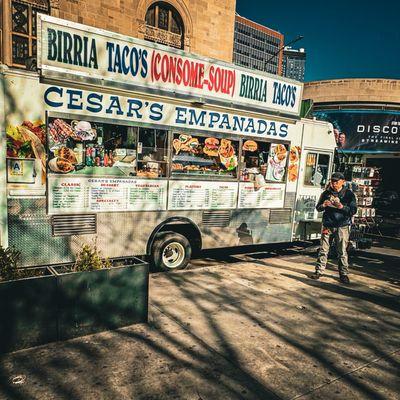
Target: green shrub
point(9, 259)
point(90, 259)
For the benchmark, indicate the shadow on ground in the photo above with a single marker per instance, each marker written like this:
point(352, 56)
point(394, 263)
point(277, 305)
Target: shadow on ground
point(248, 325)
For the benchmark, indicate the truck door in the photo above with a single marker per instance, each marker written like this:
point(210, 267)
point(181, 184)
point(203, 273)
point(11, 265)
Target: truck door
point(315, 172)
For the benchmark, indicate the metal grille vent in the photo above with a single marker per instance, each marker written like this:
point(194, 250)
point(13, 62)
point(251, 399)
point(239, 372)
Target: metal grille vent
point(218, 218)
point(280, 216)
point(290, 198)
point(68, 225)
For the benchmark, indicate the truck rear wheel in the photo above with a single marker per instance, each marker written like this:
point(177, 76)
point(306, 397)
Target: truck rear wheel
point(171, 251)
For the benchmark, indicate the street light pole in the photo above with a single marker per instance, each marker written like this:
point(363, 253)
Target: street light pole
point(282, 47)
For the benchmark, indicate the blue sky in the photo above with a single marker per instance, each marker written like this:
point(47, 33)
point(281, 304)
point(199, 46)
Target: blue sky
point(343, 39)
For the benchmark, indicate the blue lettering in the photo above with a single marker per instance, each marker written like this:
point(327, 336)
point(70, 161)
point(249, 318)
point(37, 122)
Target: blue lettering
point(110, 50)
point(272, 129)
point(75, 99)
point(275, 92)
point(156, 112)
point(94, 105)
point(180, 115)
point(114, 104)
point(262, 126)
point(48, 92)
point(225, 121)
point(143, 72)
point(125, 53)
point(199, 121)
point(133, 107)
point(214, 117)
point(134, 60)
point(284, 94)
point(238, 123)
point(51, 44)
point(293, 102)
point(117, 59)
point(283, 130)
point(250, 126)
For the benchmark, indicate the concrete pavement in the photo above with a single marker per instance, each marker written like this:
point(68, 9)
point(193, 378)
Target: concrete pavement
point(236, 326)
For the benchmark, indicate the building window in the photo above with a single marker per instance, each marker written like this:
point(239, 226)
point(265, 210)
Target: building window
point(23, 30)
point(164, 25)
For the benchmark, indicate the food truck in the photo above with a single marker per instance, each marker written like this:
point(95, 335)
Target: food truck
point(154, 151)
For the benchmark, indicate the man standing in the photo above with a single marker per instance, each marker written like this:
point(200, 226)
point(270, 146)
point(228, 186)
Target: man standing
point(338, 205)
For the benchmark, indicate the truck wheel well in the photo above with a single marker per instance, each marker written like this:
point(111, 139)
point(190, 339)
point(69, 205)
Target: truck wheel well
point(184, 227)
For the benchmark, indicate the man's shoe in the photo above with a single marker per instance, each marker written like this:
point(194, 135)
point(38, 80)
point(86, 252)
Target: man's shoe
point(316, 275)
point(344, 279)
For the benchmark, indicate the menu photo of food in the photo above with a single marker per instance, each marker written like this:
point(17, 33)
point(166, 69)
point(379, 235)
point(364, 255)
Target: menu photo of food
point(211, 146)
point(60, 131)
point(294, 161)
point(250, 145)
point(277, 162)
point(62, 136)
point(227, 155)
point(209, 155)
point(64, 160)
point(186, 143)
point(27, 141)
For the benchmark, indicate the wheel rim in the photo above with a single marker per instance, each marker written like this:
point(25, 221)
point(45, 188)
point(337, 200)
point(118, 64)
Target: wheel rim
point(173, 255)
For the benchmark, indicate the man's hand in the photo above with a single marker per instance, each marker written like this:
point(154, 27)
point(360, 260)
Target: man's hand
point(336, 203)
point(327, 203)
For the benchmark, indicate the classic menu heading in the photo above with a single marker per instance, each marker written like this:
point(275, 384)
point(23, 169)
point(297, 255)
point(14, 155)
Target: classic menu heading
point(80, 50)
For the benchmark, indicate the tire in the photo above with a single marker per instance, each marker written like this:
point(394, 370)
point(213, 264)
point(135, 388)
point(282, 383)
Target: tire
point(171, 251)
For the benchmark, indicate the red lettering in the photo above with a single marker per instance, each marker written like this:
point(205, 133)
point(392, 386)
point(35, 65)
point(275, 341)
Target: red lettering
point(70, 184)
point(177, 70)
point(165, 68)
point(201, 76)
point(172, 69)
point(211, 79)
point(157, 59)
point(186, 73)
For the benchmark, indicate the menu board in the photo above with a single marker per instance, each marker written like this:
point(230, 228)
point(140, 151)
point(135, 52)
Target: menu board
point(271, 195)
point(198, 195)
point(71, 195)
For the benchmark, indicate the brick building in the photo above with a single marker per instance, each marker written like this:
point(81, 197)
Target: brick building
point(192, 25)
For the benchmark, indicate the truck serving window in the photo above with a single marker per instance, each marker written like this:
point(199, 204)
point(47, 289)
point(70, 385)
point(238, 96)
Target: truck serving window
point(152, 152)
point(317, 169)
point(81, 147)
point(204, 156)
point(268, 159)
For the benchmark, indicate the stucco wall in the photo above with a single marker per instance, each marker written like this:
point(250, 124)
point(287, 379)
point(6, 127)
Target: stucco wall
point(353, 90)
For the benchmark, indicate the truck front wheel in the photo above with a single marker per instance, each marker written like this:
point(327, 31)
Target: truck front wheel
point(171, 251)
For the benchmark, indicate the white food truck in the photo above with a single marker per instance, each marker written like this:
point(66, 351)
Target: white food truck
point(151, 151)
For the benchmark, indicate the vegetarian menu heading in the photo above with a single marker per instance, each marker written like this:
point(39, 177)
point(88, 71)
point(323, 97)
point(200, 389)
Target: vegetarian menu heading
point(84, 51)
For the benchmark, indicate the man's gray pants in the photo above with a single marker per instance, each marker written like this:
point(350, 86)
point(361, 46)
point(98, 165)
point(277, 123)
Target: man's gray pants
point(342, 236)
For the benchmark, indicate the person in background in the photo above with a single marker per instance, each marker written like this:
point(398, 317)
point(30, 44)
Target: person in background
point(341, 140)
point(338, 205)
point(336, 134)
point(260, 178)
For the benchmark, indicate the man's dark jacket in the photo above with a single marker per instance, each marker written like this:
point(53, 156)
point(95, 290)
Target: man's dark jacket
point(334, 217)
